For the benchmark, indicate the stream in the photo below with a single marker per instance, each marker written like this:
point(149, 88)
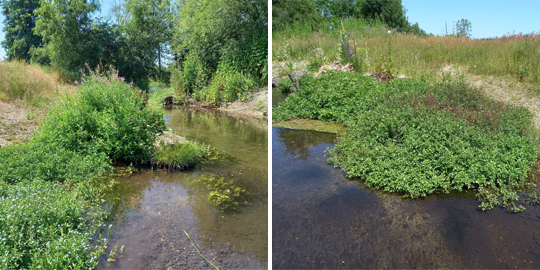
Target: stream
point(151, 209)
point(321, 219)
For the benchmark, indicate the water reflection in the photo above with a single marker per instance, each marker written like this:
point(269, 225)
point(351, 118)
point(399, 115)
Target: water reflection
point(321, 219)
point(152, 209)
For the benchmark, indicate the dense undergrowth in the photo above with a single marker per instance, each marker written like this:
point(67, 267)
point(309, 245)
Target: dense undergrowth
point(417, 138)
point(49, 186)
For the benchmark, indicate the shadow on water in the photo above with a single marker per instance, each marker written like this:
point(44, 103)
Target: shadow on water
point(321, 219)
point(151, 209)
point(278, 97)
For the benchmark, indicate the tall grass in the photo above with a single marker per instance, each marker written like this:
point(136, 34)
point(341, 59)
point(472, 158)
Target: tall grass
point(513, 55)
point(28, 83)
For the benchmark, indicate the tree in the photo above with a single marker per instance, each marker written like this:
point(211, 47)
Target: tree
point(67, 26)
point(390, 12)
point(287, 12)
point(148, 28)
point(340, 9)
point(18, 28)
point(220, 30)
point(463, 28)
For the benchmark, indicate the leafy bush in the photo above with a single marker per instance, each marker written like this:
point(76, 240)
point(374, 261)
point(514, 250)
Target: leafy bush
point(194, 74)
point(107, 116)
point(223, 193)
point(414, 138)
point(227, 85)
point(49, 162)
point(335, 96)
point(45, 226)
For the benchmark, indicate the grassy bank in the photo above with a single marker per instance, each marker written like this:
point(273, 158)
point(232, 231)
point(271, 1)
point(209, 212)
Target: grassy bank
point(416, 138)
point(52, 186)
point(412, 55)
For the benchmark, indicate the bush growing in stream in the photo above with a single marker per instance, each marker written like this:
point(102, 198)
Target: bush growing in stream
point(416, 139)
point(106, 115)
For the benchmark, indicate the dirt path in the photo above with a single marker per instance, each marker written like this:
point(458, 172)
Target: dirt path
point(17, 123)
point(506, 90)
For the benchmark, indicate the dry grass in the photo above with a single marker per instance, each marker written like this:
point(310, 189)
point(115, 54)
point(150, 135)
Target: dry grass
point(30, 84)
point(515, 55)
point(26, 92)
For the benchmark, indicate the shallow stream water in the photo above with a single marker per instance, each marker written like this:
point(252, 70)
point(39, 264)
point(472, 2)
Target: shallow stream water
point(152, 209)
point(321, 219)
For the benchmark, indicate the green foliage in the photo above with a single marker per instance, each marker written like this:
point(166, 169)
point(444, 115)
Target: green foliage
point(414, 138)
point(40, 55)
point(285, 86)
point(390, 12)
point(195, 74)
point(224, 193)
point(49, 162)
point(179, 155)
point(18, 28)
point(334, 96)
point(211, 32)
point(155, 100)
point(227, 85)
point(46, 226)
point(67, 27)
point(463, 28)
point(289, 12)
point(106, 115)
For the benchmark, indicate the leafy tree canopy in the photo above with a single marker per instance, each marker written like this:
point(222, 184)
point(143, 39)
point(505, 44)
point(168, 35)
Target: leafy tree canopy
point(18, 28)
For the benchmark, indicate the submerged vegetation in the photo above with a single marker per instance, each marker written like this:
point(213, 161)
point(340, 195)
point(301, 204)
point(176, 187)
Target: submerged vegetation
point(224, 193)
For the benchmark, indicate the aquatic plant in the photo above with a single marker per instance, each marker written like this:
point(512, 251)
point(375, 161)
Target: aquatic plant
point(224, 193)
point(416, 138)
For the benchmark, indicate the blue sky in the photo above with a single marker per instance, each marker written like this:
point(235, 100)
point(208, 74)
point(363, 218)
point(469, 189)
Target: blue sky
point(488, 18)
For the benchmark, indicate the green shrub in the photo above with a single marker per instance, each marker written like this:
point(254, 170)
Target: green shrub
point(49, 162)
point(45, 226)
point(414, 138)
point(177, 81)
point(227, 85)
point(195, 74)
point(335, 96)
point(105, 115)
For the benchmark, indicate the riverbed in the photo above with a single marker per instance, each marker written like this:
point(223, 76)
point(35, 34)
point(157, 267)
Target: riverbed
point(153, 210)
point(323, 220)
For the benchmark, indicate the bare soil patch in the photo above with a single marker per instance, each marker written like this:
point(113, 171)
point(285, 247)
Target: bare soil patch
point(256, 107)
point(18, 122)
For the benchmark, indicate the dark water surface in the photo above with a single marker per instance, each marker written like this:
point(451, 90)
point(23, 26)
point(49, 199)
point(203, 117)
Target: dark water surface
point(153, 208)
point(322, 220)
